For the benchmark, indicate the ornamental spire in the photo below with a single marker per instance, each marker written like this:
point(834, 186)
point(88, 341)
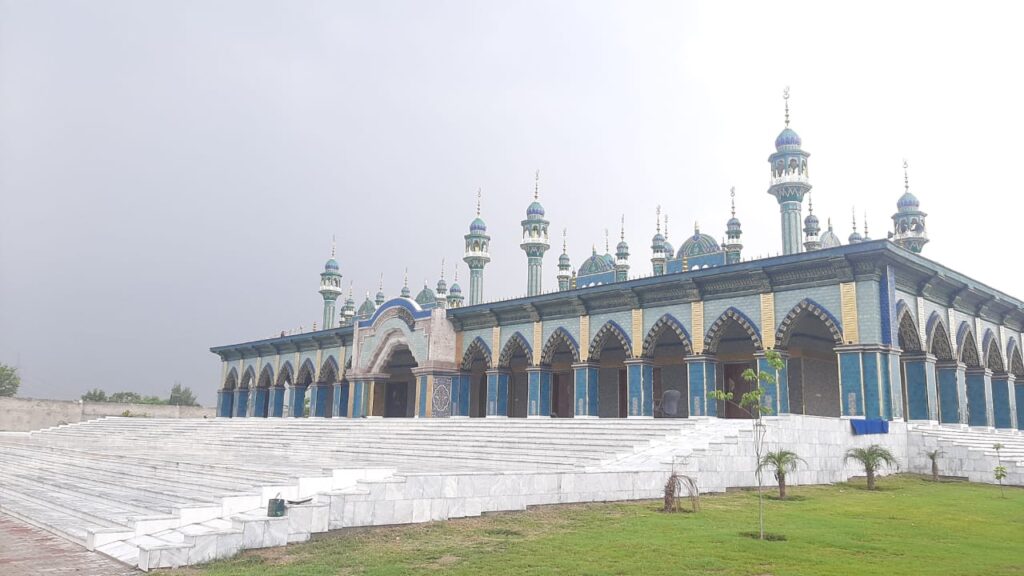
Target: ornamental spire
point(478, 194)
point(536, 185)
point(865, 224)
point(381, 285)
point(785, 98)
point(332, 245)
point(906, 179)
point(606, 250)
point(442, 268)
point(732, 198)
point(810, 203)
point(564, 230)
point(666, 226)
point(658, 218)
point(853, 213)
point(622, 229)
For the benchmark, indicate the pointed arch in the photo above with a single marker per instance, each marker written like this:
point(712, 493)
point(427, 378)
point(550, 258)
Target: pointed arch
point(348, 364)
point(329, 371)
point(731, 315)
point(1014, 359)
point(559, 336)
point(608, 330)
point(937, 337)
point(266, 377)
point(248, 378)
point(967, 345)
point(476, 348)
point(670, 323)
point(286, 376)
point(306, 373)
point(231, 380)
point(516, 341)
point(909, 338)
point(807, 307)
point(993, 355)
point(388, 343)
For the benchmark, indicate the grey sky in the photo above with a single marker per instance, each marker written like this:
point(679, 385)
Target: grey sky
point(171, 172)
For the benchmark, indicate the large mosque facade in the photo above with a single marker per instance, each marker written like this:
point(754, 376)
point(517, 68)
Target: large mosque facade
point(867, 329)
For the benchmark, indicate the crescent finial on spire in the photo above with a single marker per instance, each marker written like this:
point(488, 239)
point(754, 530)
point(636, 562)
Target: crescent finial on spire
point(564, 230)
point(536, 185)
point(332, 245)
point(906, 179)
point(785, 98)
point(622, 229)
point(732, 198)
point(479, 192)
point(442, 268)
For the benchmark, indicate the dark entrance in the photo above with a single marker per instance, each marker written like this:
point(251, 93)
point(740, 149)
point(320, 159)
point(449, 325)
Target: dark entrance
point(396, 404)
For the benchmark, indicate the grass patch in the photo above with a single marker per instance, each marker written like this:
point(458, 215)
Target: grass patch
point(913, 526)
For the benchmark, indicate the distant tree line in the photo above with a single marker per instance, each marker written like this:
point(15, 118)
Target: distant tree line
point(180, 396)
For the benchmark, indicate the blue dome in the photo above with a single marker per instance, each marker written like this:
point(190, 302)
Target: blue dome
point(477, 225)
point(787, 139)
point(426, 297)
point(596, 264)
point(669, 248)
point(331, 265)
point(658, 240)
point(622, 248)
point(733, 224)
point(535, 209)
point(855, 237)
point(698, 245)
point(455, 289)
point(442, 286)
point(563, 260)
point(367, 308)
point(908, 202)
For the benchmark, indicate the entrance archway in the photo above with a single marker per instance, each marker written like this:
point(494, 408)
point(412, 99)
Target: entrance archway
point(396, 396)
point(262, 407)
point(808, 334)
point(560, 352)
point(475, 363)
point(609, 350)
point(515, 357)
point(733, 340)
point(227, 394)
point(667, 345)
point(244, 389)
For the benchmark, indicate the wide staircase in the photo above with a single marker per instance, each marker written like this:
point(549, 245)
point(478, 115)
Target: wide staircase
point(168, 492)
point(969, 452)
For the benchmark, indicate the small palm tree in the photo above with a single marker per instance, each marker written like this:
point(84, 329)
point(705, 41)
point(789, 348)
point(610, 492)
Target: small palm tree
point(933, 455)
point(782, 461)
point(872, 459)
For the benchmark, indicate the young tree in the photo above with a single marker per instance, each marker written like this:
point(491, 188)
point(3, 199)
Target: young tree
point(95, 395)
point(1000, 470)
point(9, 380)
point(182, 396)
point(782, 461)
point(933, 455)
point(872, 459)
point(753, 404)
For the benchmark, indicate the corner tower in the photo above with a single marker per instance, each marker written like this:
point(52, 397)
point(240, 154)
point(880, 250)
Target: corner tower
point(477, 255)
point(789, 182)
point(733, 231)
point(330, 289)
point(908, 221)
point(535, 241)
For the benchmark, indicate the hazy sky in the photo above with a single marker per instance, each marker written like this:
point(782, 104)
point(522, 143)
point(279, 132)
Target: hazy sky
point(171, 172)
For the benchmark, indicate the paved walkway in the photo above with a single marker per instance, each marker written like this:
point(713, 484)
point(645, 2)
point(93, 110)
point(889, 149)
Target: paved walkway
point(26, 551)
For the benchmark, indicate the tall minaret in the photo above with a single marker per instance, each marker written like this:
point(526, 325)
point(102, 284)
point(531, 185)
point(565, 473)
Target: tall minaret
point(477, 255)
point(535, 241)
point(658, 248)
point(622, 254)
point(789, 182)
point(564, 267)
point(909, 231)
point(811, 228)
point(733, 231)
point(330, 289)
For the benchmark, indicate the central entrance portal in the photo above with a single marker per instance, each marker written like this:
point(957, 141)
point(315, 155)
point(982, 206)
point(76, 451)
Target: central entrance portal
point(395, 397)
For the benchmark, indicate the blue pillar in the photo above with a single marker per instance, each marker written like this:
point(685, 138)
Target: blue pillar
point(260, 408)
point(1001, 394)
point(318, 399)
point(851, 381)
point(702, 374)
point(978, 382)
point(948, 376)
point(497, 392)
point(225, 403)
point(298, 401)
point(241, 402)
point(1018, 388)
point(539, 397)
point(359, 399)
point(422, 393)
point(277, 401)
point(640, 388)
point(922, 399)
point(460, 393)
point(585, 397)
point(339, 406)
point(776, 395)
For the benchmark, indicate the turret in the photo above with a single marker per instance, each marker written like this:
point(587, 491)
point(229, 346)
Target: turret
point(380, 297)
point(477, 255)
point(658, 255)
point(622, 255)
point(733, 231)
point(855, 237)
point(811, 228)
point(367, 308)
point(330, 289)
point(455, 292)
point(789, 182)
point(535, 241)
point(348, 311)
point(442, 289)
point(406, 293)
point(564, 267)
point(908, 222)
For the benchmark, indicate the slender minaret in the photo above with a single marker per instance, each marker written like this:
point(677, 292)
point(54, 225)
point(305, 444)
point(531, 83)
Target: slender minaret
point(535, 241)
point(406, 293)
point(380, 297)
point(658, 247)
point(442, 289)
point(908, 222)
point(789, 182)
point(855, 236)
point(455, 292)
point(348, 311)
point(622, 254)
point(811, 228)
point(330, 289)
point(733, 231)
point(564, 266)
point(477, 255)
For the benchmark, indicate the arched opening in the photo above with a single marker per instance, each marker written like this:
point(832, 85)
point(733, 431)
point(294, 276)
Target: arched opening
point(325, 393)
point(281, 387)
point(475, 363)
point(515, 358)
point(559, 354)
point(609, 351)
point(244, 389)
point(977, 414)
point(941, 347)
point(263, 385)
point(396, 396)
point(734, 341)
point(1001, 413)
point(913, 378)
point(300, 401)
point(809, 334)
point(227, 395)
point(667, 345)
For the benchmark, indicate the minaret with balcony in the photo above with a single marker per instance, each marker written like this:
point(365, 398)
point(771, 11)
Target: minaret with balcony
point(789, 182)
point(477, 255)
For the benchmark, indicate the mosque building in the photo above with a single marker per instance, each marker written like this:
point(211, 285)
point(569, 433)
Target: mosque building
point(867, 328)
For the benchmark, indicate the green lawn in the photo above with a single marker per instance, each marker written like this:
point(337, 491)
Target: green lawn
point(909, 526)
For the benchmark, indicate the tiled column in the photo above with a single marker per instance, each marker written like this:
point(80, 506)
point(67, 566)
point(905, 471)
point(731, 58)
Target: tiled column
point(922, 396)
point(339, 405)
point(585, 397)
point(701, 372)
point(241, 402)
point(1001, 404)
point(866, 374)
point(979, 383)
point(460, 394)
point(276, 401)
point(298, 400)
point(318, 399)
point(260, 404)
point(949, 377)
point(226, 403)
point(497, 393)
point(1018, 388)
point(539, 399)
point(640, 388)
point(776, 395)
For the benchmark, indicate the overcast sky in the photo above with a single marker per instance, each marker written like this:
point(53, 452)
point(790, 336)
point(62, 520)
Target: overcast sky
point(171, 172)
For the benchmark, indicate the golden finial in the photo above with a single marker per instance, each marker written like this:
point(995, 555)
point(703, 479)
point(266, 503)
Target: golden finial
point(536, 185)
point(479, 192)
point(732, 197)
point(785, 98)
point(906, 179)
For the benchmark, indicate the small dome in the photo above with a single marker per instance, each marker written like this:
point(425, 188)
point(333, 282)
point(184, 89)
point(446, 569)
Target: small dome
point(908, 202)
point(658, 241)
point(442, 286)
point(367, 308)
point(733, 224)
point(622, 247)
point(478, 225)
point(563, 260)
point(788, 139)
point(811, 219)
point(698, 245)
point(331, 265)
point(380, 297)
point(455, 289)
point(855, 237)
point(405, 291)
point(830, 240)
point(669, 248)
point(426, 296)
point(535, 209)
point(596, 264)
